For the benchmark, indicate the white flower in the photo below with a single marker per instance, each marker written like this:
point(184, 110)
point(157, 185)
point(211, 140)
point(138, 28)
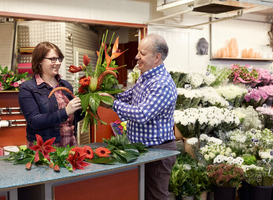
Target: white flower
point(187, 166)
point(239, 160)
point(192, 141)
point(215, 140)
point(204, 137)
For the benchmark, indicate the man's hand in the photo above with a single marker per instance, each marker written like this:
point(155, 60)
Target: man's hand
point(102, 104)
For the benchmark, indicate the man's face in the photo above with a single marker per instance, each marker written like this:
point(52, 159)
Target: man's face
point(145, 56)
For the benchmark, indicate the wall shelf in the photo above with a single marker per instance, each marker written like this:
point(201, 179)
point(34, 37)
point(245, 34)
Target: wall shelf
point(244, 59)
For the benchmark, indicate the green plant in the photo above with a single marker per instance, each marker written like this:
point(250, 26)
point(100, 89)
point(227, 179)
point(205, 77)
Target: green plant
point(249, 159)
point(188, 178)
point(225, 175)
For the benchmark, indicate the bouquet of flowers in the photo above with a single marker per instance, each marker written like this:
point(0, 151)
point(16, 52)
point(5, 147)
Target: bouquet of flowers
point(234, 94)
point(212, 98)
point(179, 78)
point(255, 97)
point(265, 76)
point(101, 80)
point(187, 98)
point(244, 74)
point(225, 175)
point(134, 75)
point(11, 81)
point(118, 127)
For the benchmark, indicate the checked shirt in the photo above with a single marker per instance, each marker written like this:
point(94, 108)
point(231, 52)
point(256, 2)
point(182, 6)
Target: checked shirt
point(148, 107)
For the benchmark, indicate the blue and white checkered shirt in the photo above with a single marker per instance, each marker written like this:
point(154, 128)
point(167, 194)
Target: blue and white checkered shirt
point(148, 107)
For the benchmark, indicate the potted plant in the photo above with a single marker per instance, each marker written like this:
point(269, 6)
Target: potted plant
point(259, 180)
point(225, 178)
point(188, 179)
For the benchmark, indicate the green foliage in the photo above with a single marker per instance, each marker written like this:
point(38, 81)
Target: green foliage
point(249, 159)
point(187, 177)
point(10, 80)
point(221, 74)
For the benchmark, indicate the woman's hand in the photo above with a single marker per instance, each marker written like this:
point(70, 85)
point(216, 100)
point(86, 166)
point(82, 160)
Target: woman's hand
point(73, 105)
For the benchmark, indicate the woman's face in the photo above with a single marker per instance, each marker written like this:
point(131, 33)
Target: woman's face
point(51, 68)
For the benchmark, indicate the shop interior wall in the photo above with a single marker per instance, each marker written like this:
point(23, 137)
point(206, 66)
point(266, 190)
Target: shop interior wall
point(183, 42)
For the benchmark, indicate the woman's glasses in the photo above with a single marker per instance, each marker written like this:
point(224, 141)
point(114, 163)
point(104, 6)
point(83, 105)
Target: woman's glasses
point(53, 60)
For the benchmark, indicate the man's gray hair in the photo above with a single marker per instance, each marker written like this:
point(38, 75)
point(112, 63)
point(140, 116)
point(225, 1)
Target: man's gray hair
point(159, 45)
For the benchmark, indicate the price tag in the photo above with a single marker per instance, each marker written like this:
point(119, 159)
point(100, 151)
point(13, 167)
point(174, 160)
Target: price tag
point(187, 86)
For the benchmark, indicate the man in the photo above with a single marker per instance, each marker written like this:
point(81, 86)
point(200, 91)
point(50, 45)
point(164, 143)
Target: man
point(148, 108)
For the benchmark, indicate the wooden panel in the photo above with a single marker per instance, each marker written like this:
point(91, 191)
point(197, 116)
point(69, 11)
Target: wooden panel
point(11, 135)
point(104, 131)
point(119, 186)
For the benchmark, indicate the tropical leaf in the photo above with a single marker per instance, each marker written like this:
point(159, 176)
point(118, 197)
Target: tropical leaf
point(106, 99)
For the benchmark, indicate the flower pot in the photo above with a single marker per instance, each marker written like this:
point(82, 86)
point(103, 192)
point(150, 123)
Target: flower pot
point(172, 196)
point(224, 193)
point(261, 192)
point(204, 195)
point(245, 191)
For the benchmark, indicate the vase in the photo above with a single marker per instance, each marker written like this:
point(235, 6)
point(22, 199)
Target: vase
point(224, 193)
point(204, 195)
point(261, 192)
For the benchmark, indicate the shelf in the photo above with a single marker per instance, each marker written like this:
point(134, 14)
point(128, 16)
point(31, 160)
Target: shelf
point(26, 49)
point(244, 59)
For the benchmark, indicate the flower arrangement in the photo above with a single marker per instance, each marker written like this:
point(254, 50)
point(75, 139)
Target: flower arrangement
point(119, 127)
point(187, 98)
point(11, 81)
point(225, 175)
point(221, 75)
point(118, 149)
point(244, 74)
point(259, 176)
point(101, 80)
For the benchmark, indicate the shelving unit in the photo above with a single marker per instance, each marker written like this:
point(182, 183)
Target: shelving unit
point(243, 59)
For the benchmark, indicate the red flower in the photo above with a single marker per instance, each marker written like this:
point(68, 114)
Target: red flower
point(44, 147)
point(56, 168)
point(89, 152)
point(82, 90)
point(74, 69)
point(28, 166)
point(76, 161)
point(77, 150)
point(102, 152)
point(86, 60)
point(84, 81)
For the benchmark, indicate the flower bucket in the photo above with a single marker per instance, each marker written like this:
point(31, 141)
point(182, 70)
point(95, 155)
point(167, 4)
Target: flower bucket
point(224, 193)
point(189, 149)
point(261, 192)
point(172, 196)
point(188, 198)
point(204, 195)
point(245, 191)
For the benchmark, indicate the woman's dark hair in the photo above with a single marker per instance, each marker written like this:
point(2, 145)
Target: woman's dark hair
point(39, 53)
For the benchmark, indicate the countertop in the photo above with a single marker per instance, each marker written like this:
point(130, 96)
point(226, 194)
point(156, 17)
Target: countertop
point(15, 176)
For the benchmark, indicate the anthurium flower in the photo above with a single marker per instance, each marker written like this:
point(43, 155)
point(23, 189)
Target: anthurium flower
point(89, 152)
point(102, 152)
point(76, 161)
point(86, 60)
point(74, 69)
point(44, 147)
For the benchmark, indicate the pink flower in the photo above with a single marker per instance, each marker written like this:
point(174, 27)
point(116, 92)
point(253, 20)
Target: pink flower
point(16, 84)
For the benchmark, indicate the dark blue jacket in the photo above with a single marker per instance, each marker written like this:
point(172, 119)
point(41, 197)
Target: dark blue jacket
point(42, 114)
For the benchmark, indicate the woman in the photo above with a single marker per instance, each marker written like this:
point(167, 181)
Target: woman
point(56, 116)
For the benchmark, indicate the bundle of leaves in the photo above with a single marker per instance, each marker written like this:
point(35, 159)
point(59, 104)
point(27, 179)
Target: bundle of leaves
point(221, 74)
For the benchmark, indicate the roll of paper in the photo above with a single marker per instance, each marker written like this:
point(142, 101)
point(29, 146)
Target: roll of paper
point(4, 123)
point(10, 148)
